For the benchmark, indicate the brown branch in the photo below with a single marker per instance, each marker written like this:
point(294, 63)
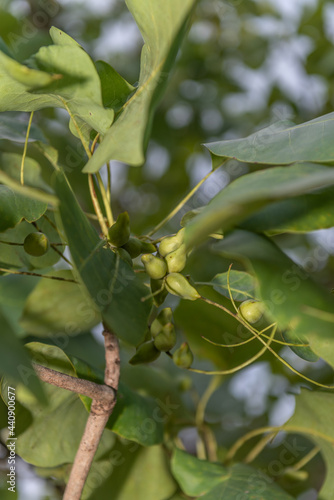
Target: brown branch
point(97, 420)
point(74, 384)
point(103, 402)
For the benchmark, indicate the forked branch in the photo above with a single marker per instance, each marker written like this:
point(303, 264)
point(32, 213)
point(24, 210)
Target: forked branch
point(103, 402)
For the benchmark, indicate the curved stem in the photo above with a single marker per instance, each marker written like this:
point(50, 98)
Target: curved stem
point(180, 205)
point(96, 205)
point(26, 273)
point(106, 202)
point(25, 149)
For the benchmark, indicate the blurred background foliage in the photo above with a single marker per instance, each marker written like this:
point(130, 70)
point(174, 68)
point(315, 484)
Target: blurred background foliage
point(244, 65)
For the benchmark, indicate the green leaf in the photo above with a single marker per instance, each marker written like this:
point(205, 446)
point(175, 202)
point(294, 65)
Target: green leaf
point(196, 477)
point(14, 290)
point(140, 473)
point(309, 212)
point(10, 163)
point(288, 293)
point(15, 362)
point(115, 89)
point(313, 416)
point(242, 285)
point(111, 282)
point(15, 129)
point(209, 481)
point(66, 77)
point(133, 418)
point(281, 144)
point(162, 25)
point(58, 306)
point(251, 192)
point(15, 207)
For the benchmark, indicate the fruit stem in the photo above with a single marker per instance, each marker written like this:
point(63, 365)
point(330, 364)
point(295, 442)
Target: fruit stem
point(305, 460)
point(180, 205)
point(25, 149)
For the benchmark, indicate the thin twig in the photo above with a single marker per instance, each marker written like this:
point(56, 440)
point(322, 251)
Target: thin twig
point(26, 273)
point(180, 205)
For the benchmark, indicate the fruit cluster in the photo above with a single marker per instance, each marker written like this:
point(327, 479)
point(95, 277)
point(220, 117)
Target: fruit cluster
point(164, 269)
point(161, 337)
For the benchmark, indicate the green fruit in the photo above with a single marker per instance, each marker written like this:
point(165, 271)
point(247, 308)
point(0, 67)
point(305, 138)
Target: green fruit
point(133, 247)
point(171, 243)
point(251, 310)
point(166, 340)
point(176, 260)
point(159, 298)
point(119, 233)
point(36, 244)
point(147, 247)
point(164, 317)
point(155, 267)
point(178, 285)
point(183, 357)
point(146, 353)
point(124, 255)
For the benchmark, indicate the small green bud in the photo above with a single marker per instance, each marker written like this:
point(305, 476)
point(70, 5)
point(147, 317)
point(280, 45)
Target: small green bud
point(176, 260)
point(124, 255)
point(171, 243)
point(147, 247)
point(183, 357)
point(119, 232)
point(178, 285)
point(36, 244)
point(251, 310)
point(159, 298)
point(166, 340)
point(155, 267)
point(146, 353)
point(164, 317)
point(133, 247)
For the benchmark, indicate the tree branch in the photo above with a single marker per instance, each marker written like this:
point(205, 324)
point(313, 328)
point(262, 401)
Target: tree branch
point(103, 402)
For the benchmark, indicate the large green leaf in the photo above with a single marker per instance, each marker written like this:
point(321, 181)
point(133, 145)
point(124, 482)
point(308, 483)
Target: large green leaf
point(115, 89)
point(251, 192)
point(14, 290)
point(162, 25)
point(133, 418)
point(15, 362)
point(288, 293)
point(15, 207)
point(140, 473)
point(111, 282)
point(66, 77)
point(297, 215)
point(210, 481)
point(281, 144)
point(14, 128)
point(59, 306)
point(314, 416)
